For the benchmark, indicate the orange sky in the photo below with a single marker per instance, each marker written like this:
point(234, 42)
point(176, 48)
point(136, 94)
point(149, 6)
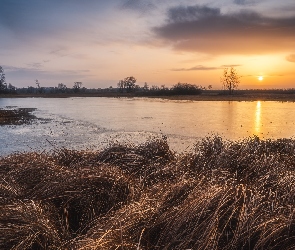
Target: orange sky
point(101, 42)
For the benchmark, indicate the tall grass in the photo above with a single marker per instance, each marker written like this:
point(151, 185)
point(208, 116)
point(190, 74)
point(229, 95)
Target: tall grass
point(223, 195)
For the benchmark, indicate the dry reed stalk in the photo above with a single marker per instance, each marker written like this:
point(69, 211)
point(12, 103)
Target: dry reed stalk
point(223, 195)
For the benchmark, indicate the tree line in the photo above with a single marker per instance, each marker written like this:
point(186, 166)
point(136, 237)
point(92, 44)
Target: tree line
point(230, 81)
point(128, 85)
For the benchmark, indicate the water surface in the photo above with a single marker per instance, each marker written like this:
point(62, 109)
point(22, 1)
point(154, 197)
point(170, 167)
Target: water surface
point(92, 123)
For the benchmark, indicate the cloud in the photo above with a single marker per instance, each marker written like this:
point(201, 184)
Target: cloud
point(205, 68)
point(244, 2)
point(35, 65)
point(230, 65)
point(199, 67)
point(291, 58)
point(138, 5)
point(34, 19)
point(207, 30)
point(190, 13)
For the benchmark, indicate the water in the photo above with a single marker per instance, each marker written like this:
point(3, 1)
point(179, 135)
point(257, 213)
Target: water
point(93, 123)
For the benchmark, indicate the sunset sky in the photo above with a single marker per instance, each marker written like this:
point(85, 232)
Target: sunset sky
point(99, 42)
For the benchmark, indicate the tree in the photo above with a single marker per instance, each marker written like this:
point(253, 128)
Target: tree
point(3, 85)
point(121, 85)
point(11, 88)
point(186, 89)
point(40, 89)
point(61, 87)
point(145, 86)
point(230, 79)
point(77, 86)
point(129, 83)
point(37, 83)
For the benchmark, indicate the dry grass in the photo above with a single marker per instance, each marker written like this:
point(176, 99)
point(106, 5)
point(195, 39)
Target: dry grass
point(224, 195)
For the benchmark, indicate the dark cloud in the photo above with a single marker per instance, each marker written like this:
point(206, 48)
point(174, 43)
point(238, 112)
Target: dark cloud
point(207, 30)
point(190, 13)
point(204, 68)
point(291, 58)
point(138, 5)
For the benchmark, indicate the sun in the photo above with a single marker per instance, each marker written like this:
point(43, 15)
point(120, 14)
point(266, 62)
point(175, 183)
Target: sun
point(260, 78)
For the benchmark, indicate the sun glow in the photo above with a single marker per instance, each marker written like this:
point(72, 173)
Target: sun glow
point(260, 78)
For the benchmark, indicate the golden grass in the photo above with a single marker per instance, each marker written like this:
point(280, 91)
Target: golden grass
point(223, 195)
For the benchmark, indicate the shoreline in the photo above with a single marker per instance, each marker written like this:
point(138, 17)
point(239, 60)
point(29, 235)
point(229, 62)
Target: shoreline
point(280, 97)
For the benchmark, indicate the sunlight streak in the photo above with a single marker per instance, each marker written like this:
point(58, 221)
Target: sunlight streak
point(258, 118)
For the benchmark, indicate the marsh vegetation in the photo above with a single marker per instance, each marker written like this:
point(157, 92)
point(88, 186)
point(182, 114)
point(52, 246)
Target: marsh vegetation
point(222, 195)
point(16, 116)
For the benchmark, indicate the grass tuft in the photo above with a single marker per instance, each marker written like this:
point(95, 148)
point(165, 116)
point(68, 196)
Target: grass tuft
point(222, 195)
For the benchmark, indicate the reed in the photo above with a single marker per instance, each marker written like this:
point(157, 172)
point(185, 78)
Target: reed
point(222, 195)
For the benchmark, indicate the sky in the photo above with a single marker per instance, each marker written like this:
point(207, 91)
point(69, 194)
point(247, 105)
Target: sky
point(99, 42)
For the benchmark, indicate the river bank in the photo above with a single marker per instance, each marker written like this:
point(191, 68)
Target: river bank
point(247, 96)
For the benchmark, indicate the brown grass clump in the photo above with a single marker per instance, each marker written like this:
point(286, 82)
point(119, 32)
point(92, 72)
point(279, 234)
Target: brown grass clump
point(223, 195)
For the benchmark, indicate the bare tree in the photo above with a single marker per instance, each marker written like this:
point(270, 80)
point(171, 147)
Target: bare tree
point(145, 86)
point(77, 86)
point(3, 85)
point(37, 83)
point(230, 79)
point(121, 85)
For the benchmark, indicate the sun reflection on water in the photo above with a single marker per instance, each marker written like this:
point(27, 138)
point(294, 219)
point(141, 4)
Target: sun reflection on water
point(258, 118)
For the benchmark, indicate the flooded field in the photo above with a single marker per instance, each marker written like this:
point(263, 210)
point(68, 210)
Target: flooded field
point(92, 123)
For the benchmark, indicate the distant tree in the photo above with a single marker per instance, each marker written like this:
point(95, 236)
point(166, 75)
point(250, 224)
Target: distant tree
point(11, 88)
point(154, 88)
point(145, 86)
point(230, 79)
point(129, 83)
point(3, 85)
point(31, 89)
point(209, 86)
point(77, 86)
point(39, 89)
point(61, 87)
point(121, 85)
point(37, 83)
point(186, 89)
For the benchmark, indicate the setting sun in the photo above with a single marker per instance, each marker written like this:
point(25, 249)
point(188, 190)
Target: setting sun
point(260, 78)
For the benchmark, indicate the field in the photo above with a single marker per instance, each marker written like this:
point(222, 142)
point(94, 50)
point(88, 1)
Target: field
point(222, 195)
